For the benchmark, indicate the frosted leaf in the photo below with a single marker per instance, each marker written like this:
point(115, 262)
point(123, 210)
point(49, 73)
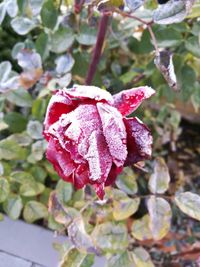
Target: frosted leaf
point(114, 132)
point(129, 100)
point(134, 4)
point(173, 11)
point(165, 65)
point(160, 216)
point(98, 157)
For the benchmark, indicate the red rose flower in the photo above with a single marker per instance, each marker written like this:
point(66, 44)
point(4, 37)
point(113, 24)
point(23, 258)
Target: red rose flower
point(89, 138)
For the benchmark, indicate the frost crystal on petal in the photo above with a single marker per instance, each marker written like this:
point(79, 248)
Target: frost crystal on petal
point(114, 132)
point(91, 92)
point(139, 141)
point(98, 157)
point(129, 100)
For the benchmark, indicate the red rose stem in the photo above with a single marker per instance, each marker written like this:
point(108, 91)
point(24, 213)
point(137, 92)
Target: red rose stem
point(98, 48)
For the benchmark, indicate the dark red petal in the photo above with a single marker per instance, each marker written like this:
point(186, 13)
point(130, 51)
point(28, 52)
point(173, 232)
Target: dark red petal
point(139, 141)
point(98, 157)
point(99, 189)
point(113, 175)
point(114, 132)
point(89, 92)
point(59, 104)
point(60, 159)
point(128, 100)
point(81, 176)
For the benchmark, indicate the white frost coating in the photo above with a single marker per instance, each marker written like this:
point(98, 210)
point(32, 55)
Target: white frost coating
point(56, 99)
point(98, 157)
point(143, 138)
point(91, 92)
point(114, 132)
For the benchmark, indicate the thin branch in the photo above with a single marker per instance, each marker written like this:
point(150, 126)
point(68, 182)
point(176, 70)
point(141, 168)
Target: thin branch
point(103, 24)
point(147, 23)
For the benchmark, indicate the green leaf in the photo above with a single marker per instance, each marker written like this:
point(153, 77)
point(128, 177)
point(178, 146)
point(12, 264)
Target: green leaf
point(160, 216)
point(87, 35)
point(141, 258)
point(15, 121)
point(38, 173)
point(88, 261)
point(49, 14)
point(189, 203)
point(61, 40)
point(10, 149)
point(140, 228)
point(23, 139)
point(42, 45)
point(110, 237)
point(73, 259)
point(22, 25)
point(13, 206)
point(119, 260)
point(64, 192)
point(37, 149)
point(20, 97)
point(21, 177)
point(39, 108)
point(124, 208)
point(1, 217)
point(159, 179)
point(168, 37)
point(31, 189)
point(4, 189)
point(193, 46)
point(126, 181)
point(187, 79)
point(34, 129)
point(34, 211)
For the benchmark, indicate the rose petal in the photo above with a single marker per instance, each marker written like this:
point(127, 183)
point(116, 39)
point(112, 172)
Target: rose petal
point(139, 141)
point(98, 157)
point(90, 92)
point(58, 105)
point(60, 159)
point(129, 100)
point(113, 175)
point(99, 189)
point(114, 132)
point(81, 176)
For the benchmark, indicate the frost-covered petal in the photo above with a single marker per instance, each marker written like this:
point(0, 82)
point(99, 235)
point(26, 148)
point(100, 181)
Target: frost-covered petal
point(129, 100)
point(59, 104)
point(114, 132)
point(98, 157)
point(60, 159)
point(89, 92)
point(139, 141)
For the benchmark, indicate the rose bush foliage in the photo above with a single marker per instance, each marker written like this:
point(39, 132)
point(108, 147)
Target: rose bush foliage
point(45, 46)
point(90, 140)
